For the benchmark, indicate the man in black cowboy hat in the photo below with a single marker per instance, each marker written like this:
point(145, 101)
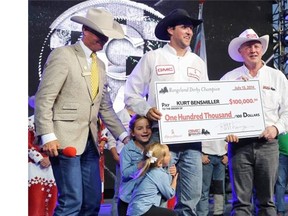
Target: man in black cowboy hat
point(173, 62)
point(67, 111)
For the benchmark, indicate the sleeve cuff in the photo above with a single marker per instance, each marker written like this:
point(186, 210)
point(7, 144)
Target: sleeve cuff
point(48, 138)
point(123, 136)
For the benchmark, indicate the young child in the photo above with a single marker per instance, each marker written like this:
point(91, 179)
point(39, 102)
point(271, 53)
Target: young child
point(131, 159)
point(115, 147)
point(155, 183)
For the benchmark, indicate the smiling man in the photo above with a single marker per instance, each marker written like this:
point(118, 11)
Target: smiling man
point(253, 162)
point(173, 62)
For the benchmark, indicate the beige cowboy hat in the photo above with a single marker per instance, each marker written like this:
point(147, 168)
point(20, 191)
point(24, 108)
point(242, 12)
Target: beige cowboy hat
point(247, 35)
point(175, 17)
point(101, 21)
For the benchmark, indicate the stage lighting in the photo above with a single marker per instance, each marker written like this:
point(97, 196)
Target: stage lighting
point(285, 58)
point(285, 38)
point(285, 14)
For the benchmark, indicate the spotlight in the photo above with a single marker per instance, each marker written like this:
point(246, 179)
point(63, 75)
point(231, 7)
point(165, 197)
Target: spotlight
point(285, 14)
point(284, 38)
point(286, 58)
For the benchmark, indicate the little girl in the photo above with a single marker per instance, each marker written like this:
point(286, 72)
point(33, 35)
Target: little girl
point(131, 159)
point(155, 183)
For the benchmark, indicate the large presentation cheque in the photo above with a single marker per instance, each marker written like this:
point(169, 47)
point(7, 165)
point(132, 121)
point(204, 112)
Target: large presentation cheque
point(200, 111)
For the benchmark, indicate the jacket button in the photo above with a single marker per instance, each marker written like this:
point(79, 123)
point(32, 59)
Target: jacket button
point(92, 104)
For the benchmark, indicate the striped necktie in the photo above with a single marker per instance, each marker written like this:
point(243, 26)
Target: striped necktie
point(94, 75)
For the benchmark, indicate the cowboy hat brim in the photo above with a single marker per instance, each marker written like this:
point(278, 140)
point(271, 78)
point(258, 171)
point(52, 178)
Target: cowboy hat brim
point(237, 42)
point(176, 17)
point(115, 32)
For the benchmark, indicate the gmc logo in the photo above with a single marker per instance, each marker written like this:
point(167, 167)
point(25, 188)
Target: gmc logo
point(165, 69)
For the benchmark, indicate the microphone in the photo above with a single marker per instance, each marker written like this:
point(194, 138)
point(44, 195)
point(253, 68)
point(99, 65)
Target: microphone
point(68, 151)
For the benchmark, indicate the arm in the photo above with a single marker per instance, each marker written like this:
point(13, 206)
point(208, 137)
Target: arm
point(45, 162)
point(174, 181)
point(52, 80)
point(137, 87)
point(128, 166)
point(115, 155)
point(165, 186)
point(281, 124)
point(53, 77)
point(110, 118)
point(173, 170)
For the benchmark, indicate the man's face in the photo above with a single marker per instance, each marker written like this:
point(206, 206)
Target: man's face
point(94, 40)
point(181, 35)
point(251, 51)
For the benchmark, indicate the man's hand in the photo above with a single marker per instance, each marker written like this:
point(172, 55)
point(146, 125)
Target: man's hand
point(225, 159)
point(51, 148)
point(269, 133)
point(205, 159)
point(153, 114)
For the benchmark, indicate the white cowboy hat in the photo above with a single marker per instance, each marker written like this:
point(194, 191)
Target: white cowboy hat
point(247, 35)
point(101, 21)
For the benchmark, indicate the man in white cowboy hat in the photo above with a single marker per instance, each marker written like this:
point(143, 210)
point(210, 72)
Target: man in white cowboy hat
point(66, 113)
point(173, 62)
point(253, 162)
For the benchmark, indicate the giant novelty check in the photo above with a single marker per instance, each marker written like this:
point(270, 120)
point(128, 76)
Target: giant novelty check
point(200, 111)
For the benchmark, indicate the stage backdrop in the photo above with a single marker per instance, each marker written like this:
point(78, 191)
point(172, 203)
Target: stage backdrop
point(50, 27)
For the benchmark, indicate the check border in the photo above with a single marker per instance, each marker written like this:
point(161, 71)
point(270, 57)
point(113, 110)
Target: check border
point(203, 111)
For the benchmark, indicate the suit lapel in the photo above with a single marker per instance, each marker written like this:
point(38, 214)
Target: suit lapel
point(85, 70)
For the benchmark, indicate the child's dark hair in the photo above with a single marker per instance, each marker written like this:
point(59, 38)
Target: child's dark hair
point(134, 119)
point(153, 153)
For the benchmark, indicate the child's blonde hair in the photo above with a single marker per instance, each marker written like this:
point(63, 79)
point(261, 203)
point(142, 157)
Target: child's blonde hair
point(153, 153)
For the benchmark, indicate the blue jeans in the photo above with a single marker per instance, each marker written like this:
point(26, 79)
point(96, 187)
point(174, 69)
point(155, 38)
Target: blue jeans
point(215, 170)
point(78, 182)
point(281, 183)
point(253, 164)
point(188, 159)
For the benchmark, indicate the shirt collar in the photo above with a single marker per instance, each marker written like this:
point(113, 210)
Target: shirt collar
point(86, 50)
point(246, 71)
point(173, 51)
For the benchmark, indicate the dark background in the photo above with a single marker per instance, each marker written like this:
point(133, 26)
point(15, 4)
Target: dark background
point(223, 21)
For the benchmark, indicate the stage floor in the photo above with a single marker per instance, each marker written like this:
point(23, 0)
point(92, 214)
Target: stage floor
point(106, 207)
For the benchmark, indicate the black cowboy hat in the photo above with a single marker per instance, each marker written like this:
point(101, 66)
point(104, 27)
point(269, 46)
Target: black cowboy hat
point(175, 17)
